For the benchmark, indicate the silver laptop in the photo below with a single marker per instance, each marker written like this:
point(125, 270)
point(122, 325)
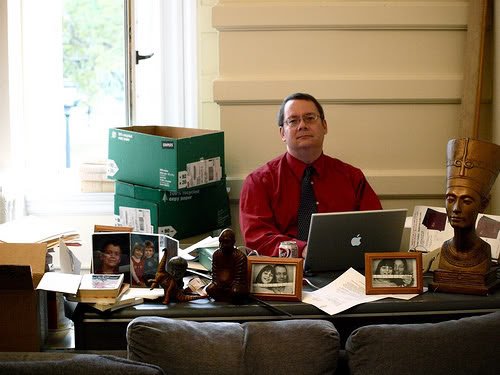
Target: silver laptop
point(339, 240)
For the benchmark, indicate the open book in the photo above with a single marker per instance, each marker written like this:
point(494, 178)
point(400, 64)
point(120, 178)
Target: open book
point(100, 285)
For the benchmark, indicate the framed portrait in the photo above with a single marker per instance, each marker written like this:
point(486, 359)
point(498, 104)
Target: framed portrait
point(278, 279)
point(111, 253)
point(393, 273)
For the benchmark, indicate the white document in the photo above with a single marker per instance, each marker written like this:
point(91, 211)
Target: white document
point(206, 242)
point(69, 263)
point(137, 218)
point(60, 282)
point(344, 292)
point(431, 228)
point(145, 293)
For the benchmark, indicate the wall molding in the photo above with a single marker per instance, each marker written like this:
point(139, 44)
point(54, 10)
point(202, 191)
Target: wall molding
point(409, 184)
point(312, 15)
point(342, 89)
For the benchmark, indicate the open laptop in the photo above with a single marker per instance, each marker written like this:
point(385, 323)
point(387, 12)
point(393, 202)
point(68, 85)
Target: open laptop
point(339, 240)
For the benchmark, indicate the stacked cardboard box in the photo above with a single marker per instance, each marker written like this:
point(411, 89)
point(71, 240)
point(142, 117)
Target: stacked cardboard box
point(169, 179)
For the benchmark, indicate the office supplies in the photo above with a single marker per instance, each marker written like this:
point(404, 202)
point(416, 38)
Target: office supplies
point(339, 240)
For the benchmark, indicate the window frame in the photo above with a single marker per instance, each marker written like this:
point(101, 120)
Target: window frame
point(181, 112)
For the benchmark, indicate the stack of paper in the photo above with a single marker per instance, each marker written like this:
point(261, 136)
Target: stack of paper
point(32, 229)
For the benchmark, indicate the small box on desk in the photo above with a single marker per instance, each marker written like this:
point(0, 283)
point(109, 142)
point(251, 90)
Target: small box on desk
point(166, 157)
point(23, 316)
point(205, 256)
point(177, 214)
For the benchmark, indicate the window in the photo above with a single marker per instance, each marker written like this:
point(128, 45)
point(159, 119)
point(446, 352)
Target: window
point(73, 75)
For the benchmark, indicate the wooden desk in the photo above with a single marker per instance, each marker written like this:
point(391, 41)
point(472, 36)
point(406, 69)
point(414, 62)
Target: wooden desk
point(101, 331)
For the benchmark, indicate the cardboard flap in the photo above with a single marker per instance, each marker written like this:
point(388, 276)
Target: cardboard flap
point(25, 254)
point(15, 277)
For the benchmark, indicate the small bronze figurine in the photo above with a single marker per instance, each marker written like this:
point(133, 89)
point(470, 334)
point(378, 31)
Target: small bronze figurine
point(170, 278)
point(465, 260)
point(229, 271)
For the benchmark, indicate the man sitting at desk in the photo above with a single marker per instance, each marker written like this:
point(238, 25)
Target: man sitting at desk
point(303, 179)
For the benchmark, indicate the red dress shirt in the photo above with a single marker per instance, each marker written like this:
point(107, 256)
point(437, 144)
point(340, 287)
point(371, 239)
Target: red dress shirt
point(270, 197)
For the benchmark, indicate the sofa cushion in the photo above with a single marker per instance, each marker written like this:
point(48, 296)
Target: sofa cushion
point(178, 346)
point(75, 364)
point(291, 347)
point(279, 347)
point(464, 346)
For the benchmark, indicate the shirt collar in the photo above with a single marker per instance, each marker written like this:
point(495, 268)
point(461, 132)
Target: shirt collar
point(298, 166)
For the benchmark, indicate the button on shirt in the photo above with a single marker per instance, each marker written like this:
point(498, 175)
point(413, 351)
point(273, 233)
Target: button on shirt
point(270, 197)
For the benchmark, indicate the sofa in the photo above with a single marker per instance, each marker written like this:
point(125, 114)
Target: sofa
point(166, 346)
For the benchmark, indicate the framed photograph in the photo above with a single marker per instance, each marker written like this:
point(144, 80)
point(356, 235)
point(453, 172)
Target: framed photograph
point(393, 273)
point(272, 278)
point(111, 253)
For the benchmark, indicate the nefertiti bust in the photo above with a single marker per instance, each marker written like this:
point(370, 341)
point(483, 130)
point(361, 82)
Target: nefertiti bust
point(472, 168)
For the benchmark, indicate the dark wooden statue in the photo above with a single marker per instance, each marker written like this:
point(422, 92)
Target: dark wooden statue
point(170, 277)
point(229, 271)
point(465, 264)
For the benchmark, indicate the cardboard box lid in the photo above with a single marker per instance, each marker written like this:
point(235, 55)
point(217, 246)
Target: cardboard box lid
point(22, 255)
point(166, 131)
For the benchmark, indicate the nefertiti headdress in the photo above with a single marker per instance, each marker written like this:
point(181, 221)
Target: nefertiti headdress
point(473, 164)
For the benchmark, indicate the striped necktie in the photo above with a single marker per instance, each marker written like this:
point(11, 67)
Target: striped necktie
point(307, 204)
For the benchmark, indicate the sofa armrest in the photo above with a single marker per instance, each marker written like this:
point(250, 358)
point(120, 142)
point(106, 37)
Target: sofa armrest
point(71, 364)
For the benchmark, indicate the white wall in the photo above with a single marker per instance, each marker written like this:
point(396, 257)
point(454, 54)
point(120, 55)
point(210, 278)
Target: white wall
point(389, 74)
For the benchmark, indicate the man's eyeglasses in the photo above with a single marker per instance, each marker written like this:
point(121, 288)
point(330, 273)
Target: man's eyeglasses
point(308, 118)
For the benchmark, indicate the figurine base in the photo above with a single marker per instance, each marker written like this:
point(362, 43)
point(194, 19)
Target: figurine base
point(465, 282)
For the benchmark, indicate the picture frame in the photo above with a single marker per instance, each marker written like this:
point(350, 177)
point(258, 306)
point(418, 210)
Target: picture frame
point(394, 273)
point(265, 278)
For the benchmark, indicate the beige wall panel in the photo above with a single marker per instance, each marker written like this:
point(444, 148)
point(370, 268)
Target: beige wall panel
point(208, 46)
point(388, 73)
point(380, 137)
point(372, 137)
point(270, 15)
point(341, 89)
point(303, 53)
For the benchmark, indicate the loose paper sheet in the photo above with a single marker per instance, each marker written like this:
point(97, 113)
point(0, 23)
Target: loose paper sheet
point(60, 282)
point(206, 242)
point(145, 293)
point(68, 261)
point(431, 228)
point(344, 292)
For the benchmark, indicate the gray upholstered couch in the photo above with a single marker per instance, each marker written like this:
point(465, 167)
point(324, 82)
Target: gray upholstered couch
point(160, 345)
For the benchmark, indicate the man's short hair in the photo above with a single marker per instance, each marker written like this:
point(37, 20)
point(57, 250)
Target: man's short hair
point(298, 96)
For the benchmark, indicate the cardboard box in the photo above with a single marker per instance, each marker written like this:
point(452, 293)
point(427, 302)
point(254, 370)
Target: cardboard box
point(23, 316)
point(177, 214)
point(166, 157)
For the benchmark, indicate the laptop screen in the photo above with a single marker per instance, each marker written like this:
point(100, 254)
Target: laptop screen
point(339, 240)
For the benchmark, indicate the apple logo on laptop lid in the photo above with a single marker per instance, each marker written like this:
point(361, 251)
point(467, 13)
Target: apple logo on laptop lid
point(356, 241)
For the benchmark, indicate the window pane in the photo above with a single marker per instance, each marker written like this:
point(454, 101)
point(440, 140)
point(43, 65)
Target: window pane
point(94, 77)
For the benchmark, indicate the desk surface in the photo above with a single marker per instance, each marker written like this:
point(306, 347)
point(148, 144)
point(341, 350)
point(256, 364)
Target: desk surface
point(427, 307)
